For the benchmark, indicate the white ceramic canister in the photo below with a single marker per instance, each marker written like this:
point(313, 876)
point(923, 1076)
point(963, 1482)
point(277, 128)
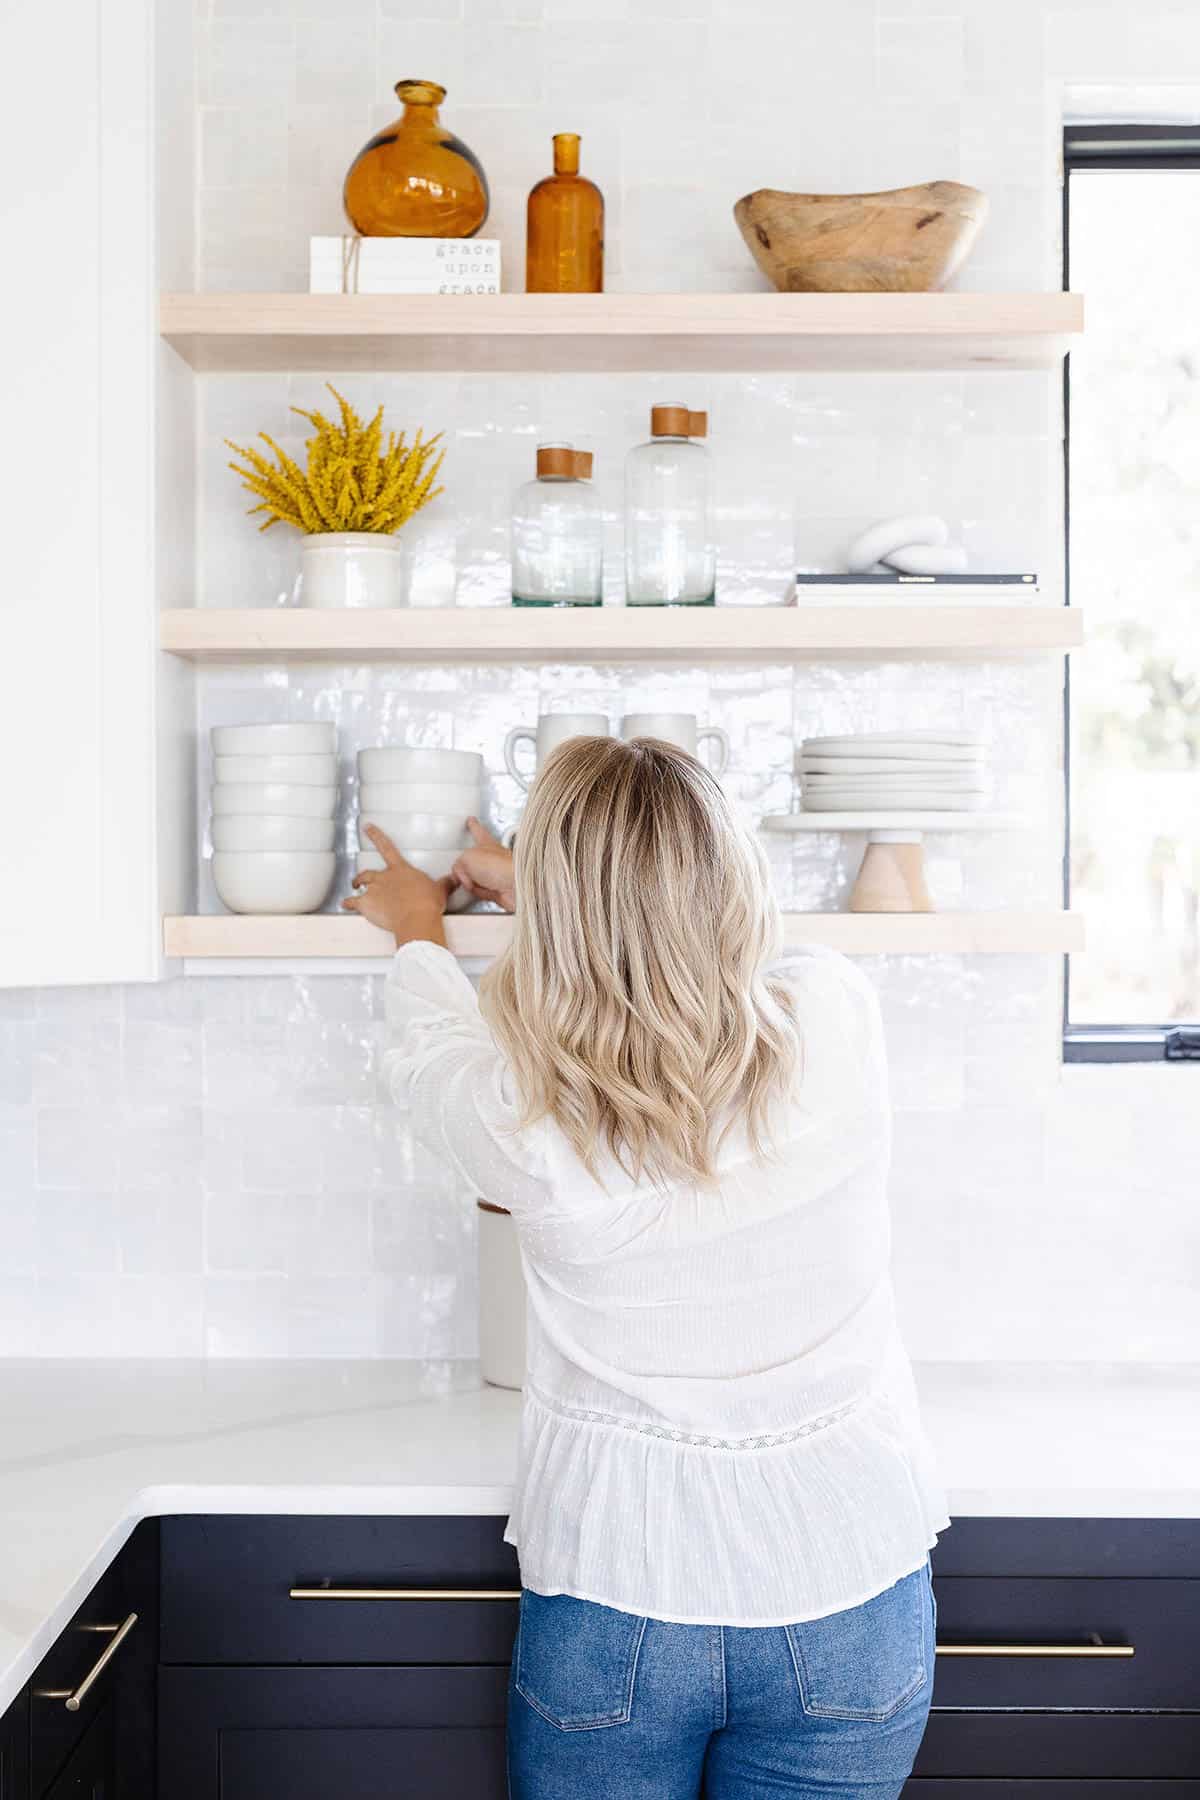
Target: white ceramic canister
point(501, 1298)
point(350, 569)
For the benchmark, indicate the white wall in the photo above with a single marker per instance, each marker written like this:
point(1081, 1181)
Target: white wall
point(207, 1166)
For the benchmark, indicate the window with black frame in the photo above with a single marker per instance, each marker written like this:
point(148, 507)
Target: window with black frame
point(1132, 247)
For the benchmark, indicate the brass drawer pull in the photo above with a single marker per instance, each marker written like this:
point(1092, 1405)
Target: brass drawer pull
point(1097, 1649)
point(382, 1593)
point(75, 1697)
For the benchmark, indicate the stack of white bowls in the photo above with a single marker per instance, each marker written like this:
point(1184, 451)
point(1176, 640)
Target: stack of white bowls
point(894, 771)
point(421, 800)
point(273, 803)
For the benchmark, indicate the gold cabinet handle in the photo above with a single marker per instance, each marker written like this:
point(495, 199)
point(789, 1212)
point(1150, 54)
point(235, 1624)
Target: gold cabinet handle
point(75, 1697)
point(384, 1593)
point(1108, 1650)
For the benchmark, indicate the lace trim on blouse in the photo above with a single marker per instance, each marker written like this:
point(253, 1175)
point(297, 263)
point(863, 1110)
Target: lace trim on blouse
point(767, 1440)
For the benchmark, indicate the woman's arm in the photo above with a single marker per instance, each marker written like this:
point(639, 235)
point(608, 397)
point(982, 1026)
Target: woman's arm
point(440, 1062)
point(399, 898)
point(486, 870)
point(410, 905)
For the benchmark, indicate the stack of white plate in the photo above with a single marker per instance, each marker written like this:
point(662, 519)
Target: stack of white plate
point(273, 803)
point(421, 800)
point(894, 771)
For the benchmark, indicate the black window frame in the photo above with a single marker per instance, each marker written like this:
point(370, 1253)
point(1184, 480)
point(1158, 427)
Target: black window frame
point(1125, 145)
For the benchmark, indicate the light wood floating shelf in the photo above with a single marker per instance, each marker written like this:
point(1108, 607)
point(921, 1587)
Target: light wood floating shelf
point(615, 633)
point(601, 333)
point(325, 935)
point(781, 824)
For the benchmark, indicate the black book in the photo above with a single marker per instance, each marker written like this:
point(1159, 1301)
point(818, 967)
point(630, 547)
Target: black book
point(893, 578)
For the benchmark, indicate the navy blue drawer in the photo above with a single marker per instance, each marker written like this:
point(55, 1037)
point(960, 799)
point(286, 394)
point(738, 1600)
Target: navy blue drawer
point(1047, 1641)
point(1020, 1788)
point(1095, 1749)
point(336, 1590)
point(1155, 1549)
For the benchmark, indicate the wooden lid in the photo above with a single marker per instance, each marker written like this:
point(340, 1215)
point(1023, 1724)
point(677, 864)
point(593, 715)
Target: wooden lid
point(677, 421)
point(563, 462)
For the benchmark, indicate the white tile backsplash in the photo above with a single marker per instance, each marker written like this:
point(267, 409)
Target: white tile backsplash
point(209, 1166)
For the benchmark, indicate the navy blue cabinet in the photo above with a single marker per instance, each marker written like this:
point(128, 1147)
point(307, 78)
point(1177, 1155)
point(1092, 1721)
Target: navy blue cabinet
point(89, 1773)
point(1069, 1657)
point(84, 1727)
point(313, 1733)
point(368, 1658)
point(14, 1751)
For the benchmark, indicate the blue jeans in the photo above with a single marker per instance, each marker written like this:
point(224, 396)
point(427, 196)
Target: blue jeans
point(607, 1706)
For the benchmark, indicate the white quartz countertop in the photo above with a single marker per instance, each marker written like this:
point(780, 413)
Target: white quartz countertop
point(88, 1450)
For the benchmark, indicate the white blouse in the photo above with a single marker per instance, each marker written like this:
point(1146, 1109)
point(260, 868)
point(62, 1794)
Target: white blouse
point(719, 1421)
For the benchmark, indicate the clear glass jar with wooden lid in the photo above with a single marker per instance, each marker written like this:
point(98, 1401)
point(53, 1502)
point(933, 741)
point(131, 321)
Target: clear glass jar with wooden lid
point(670, 548)
point(558, 533)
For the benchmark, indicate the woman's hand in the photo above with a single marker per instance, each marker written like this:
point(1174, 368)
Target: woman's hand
point(399, 898)
point(486, 870)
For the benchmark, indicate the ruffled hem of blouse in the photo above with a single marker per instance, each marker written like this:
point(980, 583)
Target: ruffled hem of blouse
point(700, 1536)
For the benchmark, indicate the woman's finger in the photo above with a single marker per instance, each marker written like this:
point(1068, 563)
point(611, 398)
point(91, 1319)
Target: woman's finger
point(482, 836)
point(351, 904)
point(385, 846)
point(364, 878)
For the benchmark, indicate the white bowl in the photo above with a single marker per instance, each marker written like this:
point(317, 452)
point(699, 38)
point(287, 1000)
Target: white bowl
point(423, 830)
point(299, 771)
point(434, 863)
point(274, 740)
point(401, 764)
point(273, 881)
point(272, 831)
point(260, 797)
point(465, 797)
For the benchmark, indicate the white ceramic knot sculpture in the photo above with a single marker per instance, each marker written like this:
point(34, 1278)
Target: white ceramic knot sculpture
point(909, 545)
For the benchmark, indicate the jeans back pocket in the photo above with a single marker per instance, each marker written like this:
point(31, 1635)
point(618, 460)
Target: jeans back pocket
point(870, 1661)
point(575, 1662)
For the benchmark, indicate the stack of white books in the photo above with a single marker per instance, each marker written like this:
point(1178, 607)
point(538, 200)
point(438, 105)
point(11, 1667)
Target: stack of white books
point(916, 590)
point(403, 265)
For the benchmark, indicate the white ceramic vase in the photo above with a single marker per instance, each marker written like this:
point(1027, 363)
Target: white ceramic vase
point(350, 569)
point(501, 1299)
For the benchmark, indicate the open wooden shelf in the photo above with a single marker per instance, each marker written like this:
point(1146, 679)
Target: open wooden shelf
point(782, 824)
point(615, 633)
point(600, 333)
point(323, 935)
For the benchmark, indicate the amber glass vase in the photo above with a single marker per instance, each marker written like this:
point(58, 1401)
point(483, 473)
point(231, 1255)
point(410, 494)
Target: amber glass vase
point(415, 178)
point(564, 242)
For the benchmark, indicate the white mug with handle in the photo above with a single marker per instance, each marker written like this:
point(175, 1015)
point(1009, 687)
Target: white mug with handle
point(680, 729)
point(552, 729)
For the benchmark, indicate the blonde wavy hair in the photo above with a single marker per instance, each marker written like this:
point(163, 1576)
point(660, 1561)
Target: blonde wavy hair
point(631, 1004)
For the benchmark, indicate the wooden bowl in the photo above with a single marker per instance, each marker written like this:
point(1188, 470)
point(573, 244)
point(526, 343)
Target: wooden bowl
point(904, 241)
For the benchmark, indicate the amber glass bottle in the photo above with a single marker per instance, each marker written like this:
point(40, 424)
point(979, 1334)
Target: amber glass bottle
point(564, 243)
point(415, 178)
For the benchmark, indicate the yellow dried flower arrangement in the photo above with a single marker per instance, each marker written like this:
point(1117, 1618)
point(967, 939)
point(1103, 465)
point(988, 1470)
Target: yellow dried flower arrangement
point(353, 483)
